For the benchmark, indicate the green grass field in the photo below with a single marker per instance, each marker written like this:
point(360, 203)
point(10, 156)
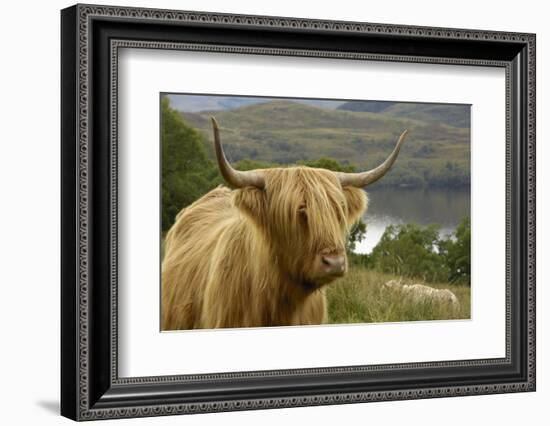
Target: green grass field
point(358, 297)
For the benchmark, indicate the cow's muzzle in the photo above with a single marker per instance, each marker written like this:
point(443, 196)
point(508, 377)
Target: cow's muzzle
point(332, 265)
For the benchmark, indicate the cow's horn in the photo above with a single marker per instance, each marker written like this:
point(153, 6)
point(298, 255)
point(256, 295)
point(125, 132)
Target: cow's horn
point(235, 178)
point(363, 179)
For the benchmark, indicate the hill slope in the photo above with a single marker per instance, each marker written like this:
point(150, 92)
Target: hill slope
point(285, 132)
point(452, 115)
point(197, 103)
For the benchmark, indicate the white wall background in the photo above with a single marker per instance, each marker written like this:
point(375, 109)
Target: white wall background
point(29, 212)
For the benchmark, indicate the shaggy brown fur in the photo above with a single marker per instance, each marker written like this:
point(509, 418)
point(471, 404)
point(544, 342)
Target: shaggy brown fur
point(244, 258)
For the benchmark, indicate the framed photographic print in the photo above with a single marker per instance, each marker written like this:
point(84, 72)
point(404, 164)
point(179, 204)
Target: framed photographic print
point(263, 212)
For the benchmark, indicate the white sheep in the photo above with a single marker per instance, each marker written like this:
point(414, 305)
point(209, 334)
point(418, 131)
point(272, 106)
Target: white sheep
point(419, 293)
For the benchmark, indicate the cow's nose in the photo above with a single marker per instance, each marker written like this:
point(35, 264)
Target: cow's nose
point(334, 264)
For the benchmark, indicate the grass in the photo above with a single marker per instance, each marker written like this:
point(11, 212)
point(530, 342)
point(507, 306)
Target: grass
point(359, 298)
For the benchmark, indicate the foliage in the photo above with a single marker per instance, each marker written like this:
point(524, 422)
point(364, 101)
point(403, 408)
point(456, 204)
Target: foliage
point(248, 164)
point(410, 250)
point(360, 259)
point(186, 169)
point(327, 163)
point(357, 234)
point(456, 252)
point(451, 175)
point(415, 251)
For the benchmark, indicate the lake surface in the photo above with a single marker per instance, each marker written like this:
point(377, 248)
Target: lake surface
point(391, 206)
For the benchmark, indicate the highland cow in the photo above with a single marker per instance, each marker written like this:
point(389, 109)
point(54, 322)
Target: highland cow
point(262, 253)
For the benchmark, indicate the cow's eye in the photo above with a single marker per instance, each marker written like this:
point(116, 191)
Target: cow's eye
point(302, 211)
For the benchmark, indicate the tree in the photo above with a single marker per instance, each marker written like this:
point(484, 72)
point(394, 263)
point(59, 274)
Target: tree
point(410, 250)
point(356, 235)
point(186, 169)
point(456, 252)
point(327, 163)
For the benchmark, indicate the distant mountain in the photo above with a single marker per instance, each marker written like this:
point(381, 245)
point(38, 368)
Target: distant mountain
point(452, 115)
point(285, 132)
point(321, 103)
point(367, 106)
point(197, 103)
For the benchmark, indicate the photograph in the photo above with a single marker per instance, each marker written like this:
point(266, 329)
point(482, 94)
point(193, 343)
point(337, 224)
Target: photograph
point(299, 212)
point(276, 210)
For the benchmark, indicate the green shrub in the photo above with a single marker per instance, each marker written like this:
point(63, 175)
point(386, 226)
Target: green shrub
point(411, 250)
point(187, 173)
point(456, 252)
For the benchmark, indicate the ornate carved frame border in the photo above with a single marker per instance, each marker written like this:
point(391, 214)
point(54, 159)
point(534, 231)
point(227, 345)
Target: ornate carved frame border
point(91, 388)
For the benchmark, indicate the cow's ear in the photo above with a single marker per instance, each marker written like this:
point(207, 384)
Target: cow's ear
point(357, 202)
point(250, 201)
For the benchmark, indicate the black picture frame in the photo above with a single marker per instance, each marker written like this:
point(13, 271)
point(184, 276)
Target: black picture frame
point(90, 386)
